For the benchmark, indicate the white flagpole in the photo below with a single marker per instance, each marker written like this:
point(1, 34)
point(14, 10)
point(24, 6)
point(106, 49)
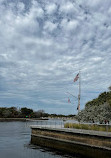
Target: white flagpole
point(79, 95)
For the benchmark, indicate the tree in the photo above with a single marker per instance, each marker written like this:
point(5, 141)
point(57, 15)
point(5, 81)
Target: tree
point(39, 113)
point(109, 88)
point(13, 111)
point(2, 111)
point(26, 112)
point(6, 113)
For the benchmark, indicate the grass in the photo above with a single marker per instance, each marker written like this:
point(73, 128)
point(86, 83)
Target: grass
point(94, 127)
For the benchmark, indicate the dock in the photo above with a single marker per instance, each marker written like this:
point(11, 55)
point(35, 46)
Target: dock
point(87, 143)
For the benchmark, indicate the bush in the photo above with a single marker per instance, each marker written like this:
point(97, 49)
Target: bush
point(94, 127)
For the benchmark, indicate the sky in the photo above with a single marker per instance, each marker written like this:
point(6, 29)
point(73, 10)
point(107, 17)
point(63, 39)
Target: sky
point(44, 44)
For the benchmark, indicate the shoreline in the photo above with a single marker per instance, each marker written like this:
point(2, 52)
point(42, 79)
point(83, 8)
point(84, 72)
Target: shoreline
point(20, 119)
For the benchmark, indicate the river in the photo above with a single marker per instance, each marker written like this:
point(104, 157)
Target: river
point(15, 142)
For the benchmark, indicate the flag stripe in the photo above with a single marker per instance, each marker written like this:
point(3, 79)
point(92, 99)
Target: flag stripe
point(69, 100)
point(76, 78)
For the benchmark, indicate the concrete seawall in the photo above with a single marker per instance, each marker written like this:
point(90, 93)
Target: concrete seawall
point(85, 143)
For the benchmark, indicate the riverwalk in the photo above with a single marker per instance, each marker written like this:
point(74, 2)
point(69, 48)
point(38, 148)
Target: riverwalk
point(81, 131)
point(80, 141)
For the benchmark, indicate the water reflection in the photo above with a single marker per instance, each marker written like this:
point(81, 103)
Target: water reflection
point(15, 141)
point(50, 153)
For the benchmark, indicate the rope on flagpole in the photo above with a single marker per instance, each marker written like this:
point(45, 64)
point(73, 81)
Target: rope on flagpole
point(79, 95)
point(72, 95)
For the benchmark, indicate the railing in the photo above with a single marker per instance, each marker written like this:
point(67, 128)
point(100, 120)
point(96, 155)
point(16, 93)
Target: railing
point(60, 123)
point(51, 123)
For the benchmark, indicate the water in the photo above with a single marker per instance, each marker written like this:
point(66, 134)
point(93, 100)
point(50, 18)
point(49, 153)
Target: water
point(15, 142)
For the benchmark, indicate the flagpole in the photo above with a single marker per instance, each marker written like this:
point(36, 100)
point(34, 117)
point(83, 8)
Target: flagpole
point(79, 95)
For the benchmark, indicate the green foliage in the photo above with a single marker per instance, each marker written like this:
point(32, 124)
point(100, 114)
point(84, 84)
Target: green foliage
point(39, 113)
point(102, 98)
point(97, 110)
point(13, 112)
point(109, 88)
point(26, 112)
point(8, 112)
point(109, 101)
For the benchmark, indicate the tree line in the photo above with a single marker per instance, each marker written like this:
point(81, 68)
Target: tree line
point(13, 112)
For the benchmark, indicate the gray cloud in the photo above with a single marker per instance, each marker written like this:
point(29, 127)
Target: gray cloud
point(42, 47)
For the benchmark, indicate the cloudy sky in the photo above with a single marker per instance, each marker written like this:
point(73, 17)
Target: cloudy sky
point(44, 43)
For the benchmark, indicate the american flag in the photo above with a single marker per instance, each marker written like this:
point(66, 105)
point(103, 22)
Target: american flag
point(69, 100)
point(76, 78)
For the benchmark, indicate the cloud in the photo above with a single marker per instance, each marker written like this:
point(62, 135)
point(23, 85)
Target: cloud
point(42, 47)
point(20, 7)
point(69, 25)
point(67, 7)
point(50, 26)
point(51, 8)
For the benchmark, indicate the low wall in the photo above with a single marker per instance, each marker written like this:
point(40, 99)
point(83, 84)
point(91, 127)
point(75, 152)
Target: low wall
point(87, 145)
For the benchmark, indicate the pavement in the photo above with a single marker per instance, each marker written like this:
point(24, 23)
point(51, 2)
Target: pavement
point(81, 131)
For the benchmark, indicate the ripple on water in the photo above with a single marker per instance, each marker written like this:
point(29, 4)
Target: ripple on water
point(15, 142)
